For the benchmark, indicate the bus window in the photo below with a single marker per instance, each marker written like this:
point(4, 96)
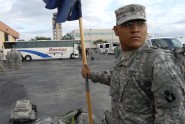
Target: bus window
point(68, 44)
point(20, 45)
point(31, 45)
point(51, 44)
point(8, 45)
point(61, 44)
point(41, 44)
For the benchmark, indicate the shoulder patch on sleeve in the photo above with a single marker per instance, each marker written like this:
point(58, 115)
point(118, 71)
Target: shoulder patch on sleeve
point(168, 97)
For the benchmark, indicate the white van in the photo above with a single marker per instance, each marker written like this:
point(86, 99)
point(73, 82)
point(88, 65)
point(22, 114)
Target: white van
point(112, 46)
point(169, 43)
point(100, 47)
point(105, 47)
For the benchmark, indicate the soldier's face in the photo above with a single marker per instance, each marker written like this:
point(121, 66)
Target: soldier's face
point(132, 34)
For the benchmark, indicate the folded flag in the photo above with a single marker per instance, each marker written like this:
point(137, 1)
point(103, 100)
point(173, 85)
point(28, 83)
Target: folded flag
point(68, 10)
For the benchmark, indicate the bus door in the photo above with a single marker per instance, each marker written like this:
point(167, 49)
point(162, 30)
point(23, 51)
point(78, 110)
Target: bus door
point(76, 47)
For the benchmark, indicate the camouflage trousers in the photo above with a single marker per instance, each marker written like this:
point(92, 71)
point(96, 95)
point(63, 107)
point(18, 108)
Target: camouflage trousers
point(2, 67)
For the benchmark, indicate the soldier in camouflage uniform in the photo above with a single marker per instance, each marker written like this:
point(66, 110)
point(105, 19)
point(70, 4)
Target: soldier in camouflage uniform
point(19, 54)
point(8, 58)
point(15, 58)
point(117, 51)
point(1, 61)
point(12, 59)
point(146, 86)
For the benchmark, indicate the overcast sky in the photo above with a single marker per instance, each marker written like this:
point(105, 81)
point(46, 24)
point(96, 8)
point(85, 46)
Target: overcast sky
point(30, 17)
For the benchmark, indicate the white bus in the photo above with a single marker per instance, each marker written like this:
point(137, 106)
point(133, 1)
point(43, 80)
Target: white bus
point(37, 50)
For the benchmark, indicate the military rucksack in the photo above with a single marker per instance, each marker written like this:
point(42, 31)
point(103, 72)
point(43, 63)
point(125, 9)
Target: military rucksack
point(24, 111)
point(177, 55)
point(49, 120)
point(78, 116)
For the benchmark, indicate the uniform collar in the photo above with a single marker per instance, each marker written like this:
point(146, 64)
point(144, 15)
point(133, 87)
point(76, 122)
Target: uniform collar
point(121, 61)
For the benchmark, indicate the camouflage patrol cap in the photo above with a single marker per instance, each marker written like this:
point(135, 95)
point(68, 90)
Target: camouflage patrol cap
point(130, 12)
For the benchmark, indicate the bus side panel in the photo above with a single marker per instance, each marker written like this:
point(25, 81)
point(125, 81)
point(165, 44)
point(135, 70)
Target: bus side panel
point(35, 53)
point(49, 53)
point(45, 53)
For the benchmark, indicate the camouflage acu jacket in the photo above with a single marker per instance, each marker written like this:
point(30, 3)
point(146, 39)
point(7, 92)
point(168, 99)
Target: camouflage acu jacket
point(146, 88)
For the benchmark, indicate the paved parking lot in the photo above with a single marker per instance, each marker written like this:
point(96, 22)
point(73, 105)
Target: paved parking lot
point(55, 86)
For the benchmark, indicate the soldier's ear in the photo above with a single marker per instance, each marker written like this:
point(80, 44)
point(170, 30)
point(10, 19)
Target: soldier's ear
point(115, 30)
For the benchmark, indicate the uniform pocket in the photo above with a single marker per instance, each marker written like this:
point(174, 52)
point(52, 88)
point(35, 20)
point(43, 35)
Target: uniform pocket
point(116, 85)
point(133, 97)
point(114, 88)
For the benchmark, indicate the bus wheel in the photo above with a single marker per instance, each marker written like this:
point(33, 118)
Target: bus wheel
point(72, 56)
point(28, 58)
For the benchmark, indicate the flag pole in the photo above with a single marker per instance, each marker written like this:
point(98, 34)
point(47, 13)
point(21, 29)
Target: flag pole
point(86, 79)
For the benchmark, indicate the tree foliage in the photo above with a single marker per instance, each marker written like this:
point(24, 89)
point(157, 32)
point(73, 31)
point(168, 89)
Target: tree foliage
point(21, 40)
point(68, 37)
point(42, 38)
point(100, 41)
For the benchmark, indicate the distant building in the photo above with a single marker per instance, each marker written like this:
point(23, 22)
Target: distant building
point(7, 33)
point(91, 35)
point(57, 28)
